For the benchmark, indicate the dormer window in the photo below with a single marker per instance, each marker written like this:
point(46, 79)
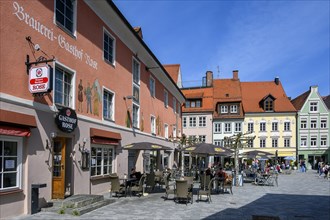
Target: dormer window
point(267, 103)
point(193, 103)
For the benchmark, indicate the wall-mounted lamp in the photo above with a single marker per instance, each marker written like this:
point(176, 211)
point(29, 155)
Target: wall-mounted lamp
point(128, 97)
point(53, 135)
point(82, 147)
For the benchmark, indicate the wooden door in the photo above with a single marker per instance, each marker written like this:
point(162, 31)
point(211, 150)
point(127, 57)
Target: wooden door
point(58, 185)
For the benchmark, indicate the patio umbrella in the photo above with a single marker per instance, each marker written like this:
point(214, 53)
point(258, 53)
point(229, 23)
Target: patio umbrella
point(209, 149)
point(258, 154)
point(145, 146)
point(289, 158)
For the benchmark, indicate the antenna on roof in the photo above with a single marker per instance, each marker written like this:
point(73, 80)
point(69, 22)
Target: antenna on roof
point(218, 71)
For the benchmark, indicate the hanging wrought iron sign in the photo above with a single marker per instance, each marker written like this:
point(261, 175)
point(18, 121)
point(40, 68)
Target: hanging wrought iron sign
point(66, 120)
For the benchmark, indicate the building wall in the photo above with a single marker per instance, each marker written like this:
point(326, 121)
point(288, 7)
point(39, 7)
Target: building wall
point(269, 134)
point(219, 136)
point(198, 131)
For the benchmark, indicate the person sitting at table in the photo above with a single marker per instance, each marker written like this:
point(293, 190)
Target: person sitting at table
point(209, 173)
point(134, 178)
point(221, 174)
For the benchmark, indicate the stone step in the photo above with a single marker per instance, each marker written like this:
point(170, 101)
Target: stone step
point(77, 204)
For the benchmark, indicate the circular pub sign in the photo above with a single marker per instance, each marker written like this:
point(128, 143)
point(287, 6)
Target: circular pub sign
point(66, 120)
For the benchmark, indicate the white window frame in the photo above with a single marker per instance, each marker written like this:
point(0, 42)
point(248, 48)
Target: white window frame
point(287, 126)
point(274, 142)
point(303, 123)
point(202, 138)
point(74, 22)
point(303, 141)
point(19, 171)
point(174, 132)
point(174, 105)
point(192, 122)
point(217, 127)
point(313, 123)
point(137, 125)
point(262, 143)
point(113, 61)
point(262, 127)
point(274, 124)
point(166, 131)
point(184, 122)
point(238, 127)
point(227, 127)
point(313, 107)
point(287, 142)
point(218, 142)
point(153, 124)
point(202, 121)
point(152, 86)
point(250, 127)
point(313, 141)
point(223, 109)
point(109, 165)
point(323, 123)
point(112, 111)
point(72, 92)
point(233, 109)
point(165, 99)
point(324, 141)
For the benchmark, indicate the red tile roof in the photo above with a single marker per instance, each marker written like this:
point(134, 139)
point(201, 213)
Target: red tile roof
point(173, 70)
point(206, 93)
point(226, 90)
point(254, 92)
point(299, 101)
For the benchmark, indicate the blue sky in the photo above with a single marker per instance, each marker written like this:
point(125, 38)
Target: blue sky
point(261, 39)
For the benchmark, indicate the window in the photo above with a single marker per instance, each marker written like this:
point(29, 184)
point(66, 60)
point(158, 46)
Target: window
point(187, 104)
point(274, 142)
point(269, 105)
point(192, 121)
point(108, 106)
point(136, 116)
point(262, 143)
point(136, 93)
point(303, 123)
point(250, 143)
point(313, 106)
point(166, 131)
point(202, 138)
point(227, 127)
point(218, 142)
point(238, 127)
point(313, 123)
point(303, 141)
point(65, 12)
point(286, 142)
point(224, 109)
point(109, 48)
point(233, 109)
point(217, 127)
point(174, 132)
point(10, 163)
point(165, 98)
point(274, 126)
point(202, 121)
point(152, 86)
point(63, 89)
point(263, 126)
point(194, 103)
point(313, 141)
point(287, 126)
point(323, 123)
point(323, 141)
point(136, 71)
point(153, 124)
point(184, 122)
point(250, 127)
point(174, 105)
point(101, 161)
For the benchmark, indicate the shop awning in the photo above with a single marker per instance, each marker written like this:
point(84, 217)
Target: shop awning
point(15, 131)
point(99, 136)
point(285, 154)
point(16, 124)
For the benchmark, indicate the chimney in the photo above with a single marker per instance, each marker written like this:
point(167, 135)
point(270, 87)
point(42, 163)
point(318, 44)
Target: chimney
point(277, 80)
point(235, 74)
point(209, 78)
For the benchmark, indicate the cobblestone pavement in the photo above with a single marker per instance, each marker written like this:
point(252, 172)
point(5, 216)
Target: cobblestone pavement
point(298, 196)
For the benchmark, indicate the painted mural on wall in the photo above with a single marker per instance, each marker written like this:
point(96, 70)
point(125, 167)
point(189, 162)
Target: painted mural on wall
point(92, 97)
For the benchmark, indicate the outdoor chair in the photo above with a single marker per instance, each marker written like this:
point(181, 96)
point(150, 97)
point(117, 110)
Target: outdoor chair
point(115, 186)
point(204, 181)
point(182, 192)
point(159, 178)
point(190, 180)
point(228, 184)
point(138, 189)
point(207, 191)
point(150, 181)
point(169, 188)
